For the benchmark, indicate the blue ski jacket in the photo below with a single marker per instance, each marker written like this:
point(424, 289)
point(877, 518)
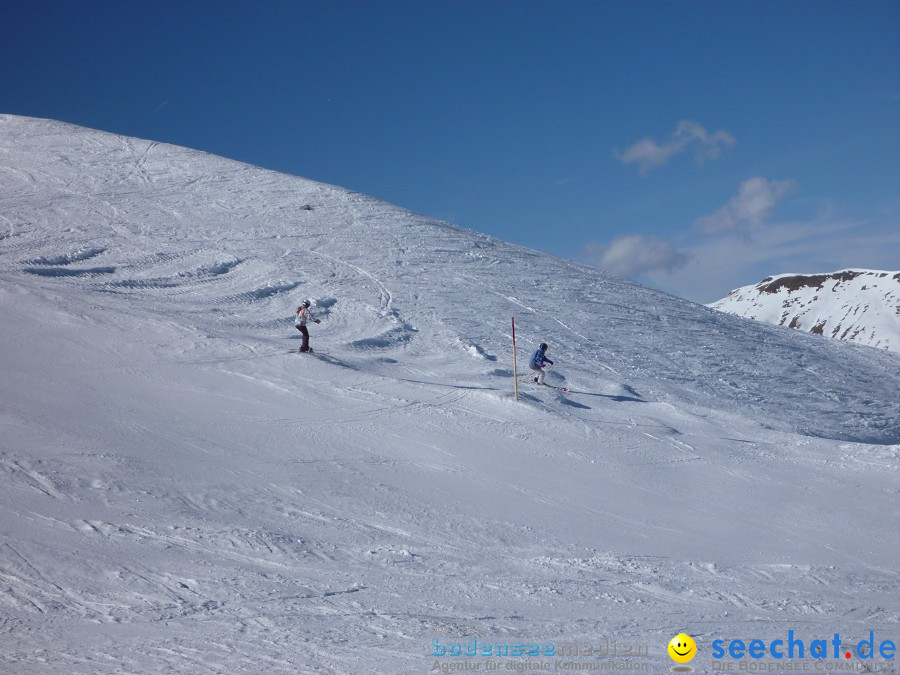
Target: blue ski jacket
point(538, 359)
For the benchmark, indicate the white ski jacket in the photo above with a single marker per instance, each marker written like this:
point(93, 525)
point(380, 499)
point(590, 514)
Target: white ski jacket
point(303, 315)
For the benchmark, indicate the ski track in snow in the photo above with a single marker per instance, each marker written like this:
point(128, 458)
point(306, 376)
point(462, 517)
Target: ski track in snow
point(183, 494)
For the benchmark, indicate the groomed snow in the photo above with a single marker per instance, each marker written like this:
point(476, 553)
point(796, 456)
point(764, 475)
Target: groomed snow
point(182, 493)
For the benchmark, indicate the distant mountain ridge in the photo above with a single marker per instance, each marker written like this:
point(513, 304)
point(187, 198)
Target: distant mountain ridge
point(852, 304)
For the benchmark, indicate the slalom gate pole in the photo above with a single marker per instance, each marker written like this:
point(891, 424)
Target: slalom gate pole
point(515, 369)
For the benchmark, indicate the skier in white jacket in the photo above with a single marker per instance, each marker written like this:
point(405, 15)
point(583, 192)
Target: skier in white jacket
point(304, 315)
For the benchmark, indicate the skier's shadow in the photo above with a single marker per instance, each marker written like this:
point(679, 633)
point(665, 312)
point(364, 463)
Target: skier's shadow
point(573, 404)
point(327, 358)
point(619, 398)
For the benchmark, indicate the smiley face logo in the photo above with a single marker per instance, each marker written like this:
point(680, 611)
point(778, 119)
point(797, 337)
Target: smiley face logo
point(682, 648)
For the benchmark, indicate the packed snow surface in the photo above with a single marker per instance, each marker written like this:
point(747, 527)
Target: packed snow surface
point(181, 491)
point(858, 305)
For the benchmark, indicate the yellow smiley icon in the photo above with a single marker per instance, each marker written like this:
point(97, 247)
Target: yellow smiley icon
point(682, 648)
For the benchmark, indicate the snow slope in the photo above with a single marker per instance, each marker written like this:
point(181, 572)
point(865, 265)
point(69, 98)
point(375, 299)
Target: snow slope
point(858, 305)
point(181, 493)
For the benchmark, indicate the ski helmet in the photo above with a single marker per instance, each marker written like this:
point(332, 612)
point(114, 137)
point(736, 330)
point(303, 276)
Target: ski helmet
point(305, 303)
point(544, 346)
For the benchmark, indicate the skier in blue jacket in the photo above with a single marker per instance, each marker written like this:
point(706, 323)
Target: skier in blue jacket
point(538, 359)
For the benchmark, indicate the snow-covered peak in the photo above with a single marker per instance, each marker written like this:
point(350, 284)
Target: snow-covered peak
point(853, 304)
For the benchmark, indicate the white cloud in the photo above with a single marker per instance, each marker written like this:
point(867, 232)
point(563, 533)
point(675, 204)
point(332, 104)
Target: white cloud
point(635, 254)
point(717, 265)
point(753, 204)
point(648, 154)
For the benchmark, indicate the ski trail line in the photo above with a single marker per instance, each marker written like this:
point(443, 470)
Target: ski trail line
point(387, 297)
point(515, 301)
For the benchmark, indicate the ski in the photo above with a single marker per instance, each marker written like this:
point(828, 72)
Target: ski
point(528, 380)
point(553, 387)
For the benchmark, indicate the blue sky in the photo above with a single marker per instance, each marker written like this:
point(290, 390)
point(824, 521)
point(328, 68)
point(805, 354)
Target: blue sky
point(694, 146)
